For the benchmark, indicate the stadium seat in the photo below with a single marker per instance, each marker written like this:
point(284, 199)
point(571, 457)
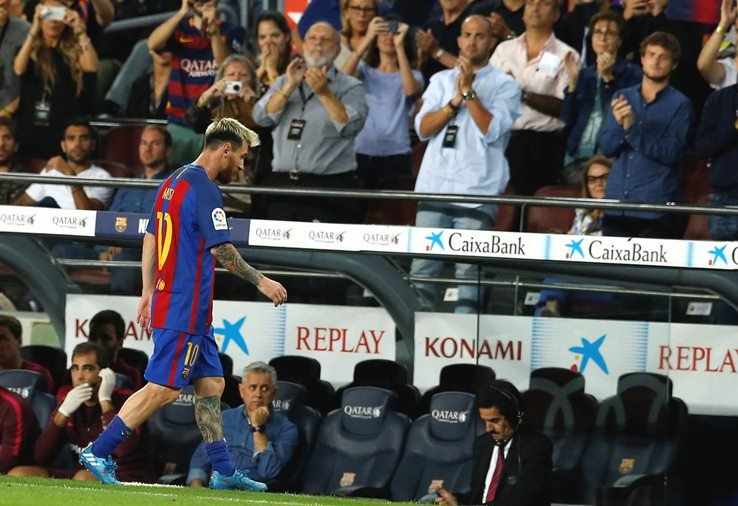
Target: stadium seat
point(556, 405)
point(695, 186)
point(290, 402)
point(120, 145)
point(30, 385)
point(52, 358)
point(637, 455)
point(507, 219)
point(306, 371)
point(358, 447)
point(416, 156)
point(136, 358)
point(392, 212)
point(458, 378)
point(122, 381)
point(385, 374)
point(115, 169)
point(552, 219)
point(33, 165)
point(439, 449)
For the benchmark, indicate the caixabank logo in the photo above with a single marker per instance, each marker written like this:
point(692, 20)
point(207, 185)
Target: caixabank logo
point(475, 243)
point(721, 256)
point(626, 251)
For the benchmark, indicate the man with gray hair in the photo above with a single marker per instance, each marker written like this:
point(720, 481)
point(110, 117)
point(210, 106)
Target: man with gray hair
point(316, 112)
point(187, 232)
point(260, 442)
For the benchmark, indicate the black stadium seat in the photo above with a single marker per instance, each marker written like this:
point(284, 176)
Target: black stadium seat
point(136, 358)
point(52, 358)
point(306, 371)
point(30, 385)
point(458, 378)
point(358, 447)
point(439, 449)
point(290, 402)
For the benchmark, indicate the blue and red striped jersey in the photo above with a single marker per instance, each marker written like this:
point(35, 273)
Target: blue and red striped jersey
point(193, 64)
point(186, 221)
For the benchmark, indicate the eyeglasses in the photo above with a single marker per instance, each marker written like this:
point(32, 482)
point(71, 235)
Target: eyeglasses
point(597, 179)
point(361, 10)
point(605, 34)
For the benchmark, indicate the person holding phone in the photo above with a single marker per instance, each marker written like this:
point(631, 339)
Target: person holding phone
point(56, 64)
point(82, 414)
point(392, 86)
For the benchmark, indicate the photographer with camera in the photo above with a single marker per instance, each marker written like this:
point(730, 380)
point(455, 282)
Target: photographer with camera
point(57, 65)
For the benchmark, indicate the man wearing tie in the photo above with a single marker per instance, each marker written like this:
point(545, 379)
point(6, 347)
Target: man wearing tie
point(512, 462)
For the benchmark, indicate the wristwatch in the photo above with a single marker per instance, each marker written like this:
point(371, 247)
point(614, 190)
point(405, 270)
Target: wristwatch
point(438, 53)
point(525, 96)
point(259, 428)
point(469, 95)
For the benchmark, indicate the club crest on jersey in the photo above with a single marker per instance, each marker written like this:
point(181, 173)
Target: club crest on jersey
point(219, 219)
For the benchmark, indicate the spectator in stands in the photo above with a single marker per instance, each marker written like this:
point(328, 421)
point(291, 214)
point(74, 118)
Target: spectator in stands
point(57, 65)
point(511, 448)
point(506, 17)
point(646, 132)
point(588, 95)
point(274, 40)
point(260, 442)
point(9, 162)
point(536, 61)
point(232, 95)
point(94, 14)
point(84, 412)
point(199, 41)
point(273, 37)
point(573, 26)
point(719, 73)
point(316, 112)
point(14, 31)
point(467, 115)
point(148, 94)
point(716, 139)
point(108, 329)
point(383, 145)
point(586, 222)
point(11, 340)
point(77, 144)
point(437, 42)
point(18, 430)
point(644, 17)
point(360, 18)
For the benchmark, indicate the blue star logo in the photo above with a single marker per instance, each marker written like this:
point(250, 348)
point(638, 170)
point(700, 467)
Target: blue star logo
point(574, 248)
point(718, 254)
point(232, 332)
point(591, 351)
point(434, 239)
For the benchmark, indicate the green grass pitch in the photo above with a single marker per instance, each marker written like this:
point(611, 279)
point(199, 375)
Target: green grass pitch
point(49, 492)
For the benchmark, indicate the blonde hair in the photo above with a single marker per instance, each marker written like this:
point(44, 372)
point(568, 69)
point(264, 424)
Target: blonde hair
point(43, 56)
point(229, 130)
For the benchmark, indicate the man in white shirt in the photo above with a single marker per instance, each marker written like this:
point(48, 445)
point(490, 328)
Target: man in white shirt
point(536, 60)
point(77, 144)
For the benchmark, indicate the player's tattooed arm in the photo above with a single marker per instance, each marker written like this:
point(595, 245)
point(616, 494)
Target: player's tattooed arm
point(231, 259)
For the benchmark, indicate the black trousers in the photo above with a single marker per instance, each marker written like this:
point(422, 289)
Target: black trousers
point(535, 158)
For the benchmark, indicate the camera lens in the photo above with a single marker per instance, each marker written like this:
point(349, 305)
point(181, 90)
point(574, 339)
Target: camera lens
point(236, 86)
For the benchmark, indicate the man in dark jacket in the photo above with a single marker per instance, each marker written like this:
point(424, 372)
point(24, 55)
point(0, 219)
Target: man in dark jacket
point(512, 462)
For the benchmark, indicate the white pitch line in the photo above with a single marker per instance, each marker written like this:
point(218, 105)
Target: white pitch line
point(131, 489)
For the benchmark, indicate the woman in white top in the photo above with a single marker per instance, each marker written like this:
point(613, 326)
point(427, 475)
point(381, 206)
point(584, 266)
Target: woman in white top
point(719, 73)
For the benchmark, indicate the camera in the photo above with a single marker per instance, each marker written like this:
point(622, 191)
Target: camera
point(392, 26)
point(233, 87)
point(53, 13)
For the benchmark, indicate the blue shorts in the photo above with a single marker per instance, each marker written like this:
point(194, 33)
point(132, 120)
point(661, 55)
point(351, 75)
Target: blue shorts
point(180, 357)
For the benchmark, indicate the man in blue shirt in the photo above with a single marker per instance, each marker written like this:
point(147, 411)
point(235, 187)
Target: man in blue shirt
point(646, 131)
point(467, 116)
point(260, 442)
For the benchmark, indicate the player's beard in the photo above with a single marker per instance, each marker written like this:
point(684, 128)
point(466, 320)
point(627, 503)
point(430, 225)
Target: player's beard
point(226, 176)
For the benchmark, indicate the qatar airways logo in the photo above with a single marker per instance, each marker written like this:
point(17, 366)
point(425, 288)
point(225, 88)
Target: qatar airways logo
point(363, 412)
point(273, 234)
point(69, 222)
point(448, 416)
point(17, 219)
point(198, 68)
point(381, 239)
point(282, 404)
point(326, 236)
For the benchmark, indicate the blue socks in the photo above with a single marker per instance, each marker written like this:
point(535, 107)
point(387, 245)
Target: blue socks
point(219, 459)
point(108, 441)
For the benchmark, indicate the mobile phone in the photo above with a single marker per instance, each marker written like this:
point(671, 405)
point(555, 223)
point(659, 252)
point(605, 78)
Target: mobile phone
point(233, 87)
point(53, 13)
point(392, 26)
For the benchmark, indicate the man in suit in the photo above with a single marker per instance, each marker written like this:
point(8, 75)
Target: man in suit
point(512, 462)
